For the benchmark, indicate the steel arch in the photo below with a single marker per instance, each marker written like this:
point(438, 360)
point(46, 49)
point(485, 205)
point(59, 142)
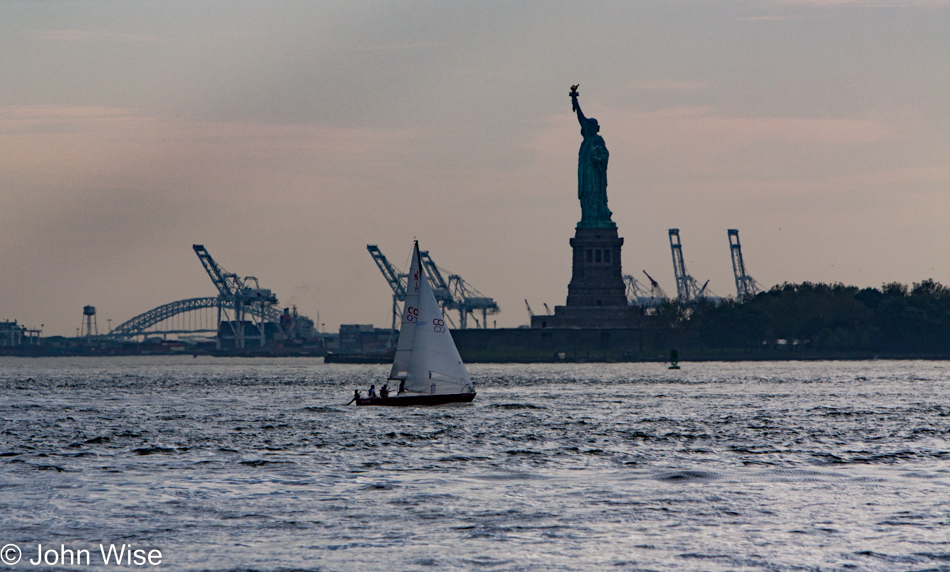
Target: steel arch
point(139, 324)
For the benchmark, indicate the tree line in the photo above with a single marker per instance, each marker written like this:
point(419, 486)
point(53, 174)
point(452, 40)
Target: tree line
point(894, 318)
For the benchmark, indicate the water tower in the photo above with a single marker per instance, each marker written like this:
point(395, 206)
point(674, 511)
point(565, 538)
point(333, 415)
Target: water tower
point(89, 326)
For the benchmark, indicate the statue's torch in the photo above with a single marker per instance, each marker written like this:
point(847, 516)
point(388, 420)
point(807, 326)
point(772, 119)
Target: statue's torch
point(574, 95)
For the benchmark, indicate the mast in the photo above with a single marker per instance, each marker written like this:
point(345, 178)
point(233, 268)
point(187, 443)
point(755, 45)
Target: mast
point(409, 317)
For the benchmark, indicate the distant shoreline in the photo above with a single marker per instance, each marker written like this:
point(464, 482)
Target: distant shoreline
point(685, 356)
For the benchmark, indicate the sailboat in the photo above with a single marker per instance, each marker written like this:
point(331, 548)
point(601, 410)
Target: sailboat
point(427, 366)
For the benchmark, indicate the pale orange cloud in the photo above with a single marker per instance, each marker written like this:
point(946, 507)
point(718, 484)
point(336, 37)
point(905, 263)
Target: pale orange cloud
point(91, 36)
point(869, 3)
point(667, 85)
point(102, 148)
point(703, 122)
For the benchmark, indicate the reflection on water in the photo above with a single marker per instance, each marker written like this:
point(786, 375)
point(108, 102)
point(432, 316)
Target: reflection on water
point(231, 464)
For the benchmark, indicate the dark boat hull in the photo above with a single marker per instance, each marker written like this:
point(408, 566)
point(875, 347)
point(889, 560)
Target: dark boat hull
point(403, 400)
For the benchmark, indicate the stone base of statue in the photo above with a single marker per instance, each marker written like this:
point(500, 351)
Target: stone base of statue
point(597, 279)
point(597, 295)
point(591, 318)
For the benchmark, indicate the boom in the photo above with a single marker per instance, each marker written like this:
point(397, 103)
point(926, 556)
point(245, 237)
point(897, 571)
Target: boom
point(227, 283)
point(439, 287)
point(687, 289)
point(396, 280)
point(746, 286)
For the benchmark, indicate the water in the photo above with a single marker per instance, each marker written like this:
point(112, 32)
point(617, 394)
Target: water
point(225, 464)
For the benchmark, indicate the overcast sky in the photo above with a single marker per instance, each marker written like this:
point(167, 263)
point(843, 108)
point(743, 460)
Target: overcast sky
point(286, 136)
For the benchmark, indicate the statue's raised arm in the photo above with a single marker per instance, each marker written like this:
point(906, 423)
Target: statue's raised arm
point(575, 106)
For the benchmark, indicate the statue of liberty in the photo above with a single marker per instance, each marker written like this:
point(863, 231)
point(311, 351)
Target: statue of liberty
point(591, 172)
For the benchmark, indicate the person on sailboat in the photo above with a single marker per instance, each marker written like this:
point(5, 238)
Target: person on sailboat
point(372, 392)
point(384, 391)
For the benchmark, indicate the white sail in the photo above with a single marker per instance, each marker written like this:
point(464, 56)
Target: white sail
point(410, 315)
point(435, 366)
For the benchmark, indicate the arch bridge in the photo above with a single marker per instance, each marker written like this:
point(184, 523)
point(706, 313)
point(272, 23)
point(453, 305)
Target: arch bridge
point(194, 315)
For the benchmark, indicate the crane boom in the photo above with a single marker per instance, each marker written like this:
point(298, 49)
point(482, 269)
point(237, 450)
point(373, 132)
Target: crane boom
point(439, 286)
point(687, 288)
point(395, 279)
point(227, 283)
point(683, 282)
point(746, 286)
point(655, 289)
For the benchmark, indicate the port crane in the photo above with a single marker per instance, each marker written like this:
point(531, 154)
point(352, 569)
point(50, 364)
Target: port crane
point(440, 287)
point(399, 280)
point(638, 295)
point(452, 294)
point(396, 280)
point(655, 290)
point(746, 286)
point(687, 289)
point(467, 300)
point(241, 303)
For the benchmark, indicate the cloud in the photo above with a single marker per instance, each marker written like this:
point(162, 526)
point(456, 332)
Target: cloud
point(773, 18)
point(396, 46)
point(669, 85)
point(92, 36)
point(703, 122)
point(15, 115)
point(104, 148)
point(870, 3)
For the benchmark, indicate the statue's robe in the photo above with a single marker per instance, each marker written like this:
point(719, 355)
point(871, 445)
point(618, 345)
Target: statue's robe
point(592, 182)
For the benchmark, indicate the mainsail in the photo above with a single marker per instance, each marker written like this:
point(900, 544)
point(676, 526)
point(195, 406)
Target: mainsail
point(410, 315)
point(435, 366)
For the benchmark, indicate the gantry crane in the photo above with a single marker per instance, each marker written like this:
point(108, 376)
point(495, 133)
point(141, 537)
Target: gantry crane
point(687, 289)
point(746, 286)
point(637, 295)
point(249, 303)
point(399, 281)
point(454, 294)
point(439, 287)
point(467, 300)
point(655, 290)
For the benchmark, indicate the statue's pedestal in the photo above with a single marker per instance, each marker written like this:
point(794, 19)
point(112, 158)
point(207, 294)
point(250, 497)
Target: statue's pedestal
point(596, 296)
point(597, 278)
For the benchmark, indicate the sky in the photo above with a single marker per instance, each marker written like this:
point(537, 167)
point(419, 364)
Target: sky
point(286, 136)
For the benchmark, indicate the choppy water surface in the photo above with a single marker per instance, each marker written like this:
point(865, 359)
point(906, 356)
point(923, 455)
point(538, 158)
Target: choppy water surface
point(257, 464)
